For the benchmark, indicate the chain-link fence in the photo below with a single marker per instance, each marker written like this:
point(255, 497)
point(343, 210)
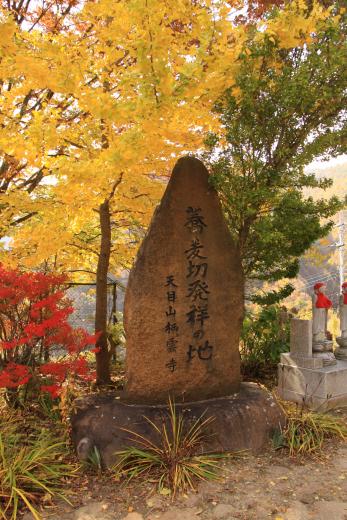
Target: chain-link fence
point(82, 296)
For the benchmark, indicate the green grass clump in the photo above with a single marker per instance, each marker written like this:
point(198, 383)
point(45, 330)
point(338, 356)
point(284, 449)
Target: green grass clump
point(175, 461)
point(32, 466)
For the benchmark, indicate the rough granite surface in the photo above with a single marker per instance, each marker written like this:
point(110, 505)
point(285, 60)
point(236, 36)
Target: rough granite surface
point(184, 300)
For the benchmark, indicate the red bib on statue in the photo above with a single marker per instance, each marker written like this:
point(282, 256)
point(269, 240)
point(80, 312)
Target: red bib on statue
point(323, 301)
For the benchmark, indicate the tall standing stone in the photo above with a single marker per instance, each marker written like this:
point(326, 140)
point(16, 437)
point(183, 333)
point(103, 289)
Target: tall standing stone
point(184, 300)
point(301, 338)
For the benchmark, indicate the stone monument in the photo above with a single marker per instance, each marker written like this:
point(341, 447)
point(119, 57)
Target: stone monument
point(184, 301)
point(183, 314)
point(322, 346)
point(341, 352)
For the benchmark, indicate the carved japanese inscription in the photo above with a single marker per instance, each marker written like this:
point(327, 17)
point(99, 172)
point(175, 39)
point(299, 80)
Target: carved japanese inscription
point(184, 301)
point(198, 291)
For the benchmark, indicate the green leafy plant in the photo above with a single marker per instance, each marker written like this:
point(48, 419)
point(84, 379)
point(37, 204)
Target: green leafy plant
point(32, 465)
point(173, 462)
point(115, 330)
point(285, 109)
point(306, 431)
point(264, 337)
point(115, 335)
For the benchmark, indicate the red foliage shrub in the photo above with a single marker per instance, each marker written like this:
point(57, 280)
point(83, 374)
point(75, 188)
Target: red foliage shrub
point(38, 346)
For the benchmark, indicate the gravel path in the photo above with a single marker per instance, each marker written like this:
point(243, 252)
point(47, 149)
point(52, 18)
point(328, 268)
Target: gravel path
point(268, 486)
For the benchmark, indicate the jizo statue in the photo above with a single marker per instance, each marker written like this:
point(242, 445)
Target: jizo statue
point(322, 344)
point(343, 310)
point(321, 304)
point(341, 353)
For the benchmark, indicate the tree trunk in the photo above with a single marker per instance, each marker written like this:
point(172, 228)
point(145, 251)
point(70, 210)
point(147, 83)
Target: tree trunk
point(103, 356)
point(242, 286)
point(113, 344)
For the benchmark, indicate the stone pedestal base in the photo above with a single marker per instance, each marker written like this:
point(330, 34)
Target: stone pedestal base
point(324, 350)
point(300, 361)
point(341, 352)
point(318, 388)
point(243, 421)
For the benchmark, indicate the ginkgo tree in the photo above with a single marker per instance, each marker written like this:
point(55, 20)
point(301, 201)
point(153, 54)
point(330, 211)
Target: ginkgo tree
point(120, 92)
point(20, 101)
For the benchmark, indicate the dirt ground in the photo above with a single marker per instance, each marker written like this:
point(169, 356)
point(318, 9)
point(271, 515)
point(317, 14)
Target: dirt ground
point(267, 486)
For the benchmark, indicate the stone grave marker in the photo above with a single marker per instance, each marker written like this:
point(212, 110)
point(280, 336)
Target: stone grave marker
point(184, 300)
point(301, 345)
point(301, 338)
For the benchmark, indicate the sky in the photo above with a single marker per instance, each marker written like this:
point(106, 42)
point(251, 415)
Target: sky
point(321, 165)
